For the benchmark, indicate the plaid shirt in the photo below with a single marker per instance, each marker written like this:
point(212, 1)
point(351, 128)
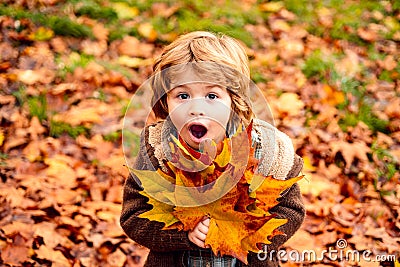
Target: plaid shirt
point(206, 258)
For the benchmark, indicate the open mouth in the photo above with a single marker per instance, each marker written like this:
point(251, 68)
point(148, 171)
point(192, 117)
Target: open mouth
point(197, 130)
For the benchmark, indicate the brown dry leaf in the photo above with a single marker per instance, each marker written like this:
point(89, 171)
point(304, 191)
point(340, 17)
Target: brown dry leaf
point(132, 47)
point(17, 227)
point(32, 151)
point(35, 129)
point(19, 138)
point(392, 109)
point(103, 148)
point(54, 256)
point(389, 63)
point(103, 205)
point(51, 237)
point(279, 25)
point(16, 197)
point(163, 10)
point(87, 111)
point(290, 48)
point(63, 87)
point(301, 241)
point(116, 258)
point(114, 193)
point(95, 48)
point(100, 32)
point(346, 215)
point(350, 151)
point(15, 254)
point(361, 242)
point(67, 196)
point(7, 99)
point(367, 34)
point(59, 169)
point(31, 77)
point(116, 162)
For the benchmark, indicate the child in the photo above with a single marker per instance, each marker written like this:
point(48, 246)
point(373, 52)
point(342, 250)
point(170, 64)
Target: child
point(200, 93)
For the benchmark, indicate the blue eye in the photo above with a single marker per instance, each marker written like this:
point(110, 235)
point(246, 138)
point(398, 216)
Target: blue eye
point(183, 96)
point(212, 96)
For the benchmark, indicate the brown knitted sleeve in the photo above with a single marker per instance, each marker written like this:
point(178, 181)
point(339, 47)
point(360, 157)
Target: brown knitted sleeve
point(290, 207)
point(143, 231)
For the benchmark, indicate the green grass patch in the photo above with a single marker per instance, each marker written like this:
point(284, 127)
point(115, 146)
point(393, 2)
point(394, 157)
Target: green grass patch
point(347, 17)
point(317, 65)
point(96, 11)
point(37, 105)
point(376, 124)
point(58, 128)
point(117, 32)
point(61, 25)
point(367, 116)
point(258, 77)
point(131, 141)
point(350, 86)
point(74, 61)
point(386, 169)
point(188, 21)
point(113, 136)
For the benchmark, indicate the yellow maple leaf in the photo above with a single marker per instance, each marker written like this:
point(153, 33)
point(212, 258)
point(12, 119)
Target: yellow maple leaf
point(160, 212)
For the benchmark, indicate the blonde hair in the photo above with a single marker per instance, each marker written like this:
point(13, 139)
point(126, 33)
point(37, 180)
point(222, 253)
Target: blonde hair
point(228, 65)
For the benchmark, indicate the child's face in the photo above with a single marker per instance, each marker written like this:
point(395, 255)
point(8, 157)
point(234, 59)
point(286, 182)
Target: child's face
point(199, 111)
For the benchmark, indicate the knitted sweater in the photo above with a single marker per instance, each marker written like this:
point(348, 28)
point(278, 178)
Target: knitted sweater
point(167, 247)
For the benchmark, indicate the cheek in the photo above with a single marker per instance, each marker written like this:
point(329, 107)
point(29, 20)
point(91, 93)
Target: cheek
point(222, 113)
point(177, 115)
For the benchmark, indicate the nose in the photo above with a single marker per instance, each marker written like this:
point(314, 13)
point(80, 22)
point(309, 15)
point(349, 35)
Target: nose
point(197, 107)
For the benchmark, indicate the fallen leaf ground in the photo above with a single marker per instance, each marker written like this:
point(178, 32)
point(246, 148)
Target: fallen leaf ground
point(329, 70)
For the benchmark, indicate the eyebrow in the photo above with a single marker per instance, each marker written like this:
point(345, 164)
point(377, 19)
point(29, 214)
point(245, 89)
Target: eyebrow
point(208, 85)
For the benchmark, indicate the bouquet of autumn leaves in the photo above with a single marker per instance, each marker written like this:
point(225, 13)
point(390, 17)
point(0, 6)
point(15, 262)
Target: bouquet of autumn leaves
point(223, 187)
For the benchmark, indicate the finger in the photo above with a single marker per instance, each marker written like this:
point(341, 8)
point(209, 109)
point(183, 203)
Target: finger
point(200, 235)
point(197, 241)
point(197, 234)
point(200, 243)
point(206, 221)
point(202, 228)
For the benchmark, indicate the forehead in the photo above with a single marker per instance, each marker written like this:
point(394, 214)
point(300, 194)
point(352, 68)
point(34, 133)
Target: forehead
point(190, 77)
point(198, 73)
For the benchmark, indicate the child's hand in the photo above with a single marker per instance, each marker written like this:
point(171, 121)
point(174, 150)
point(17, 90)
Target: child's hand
point(199, 233)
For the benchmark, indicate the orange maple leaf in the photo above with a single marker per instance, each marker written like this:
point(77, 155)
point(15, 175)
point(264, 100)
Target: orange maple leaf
point(225, 188)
